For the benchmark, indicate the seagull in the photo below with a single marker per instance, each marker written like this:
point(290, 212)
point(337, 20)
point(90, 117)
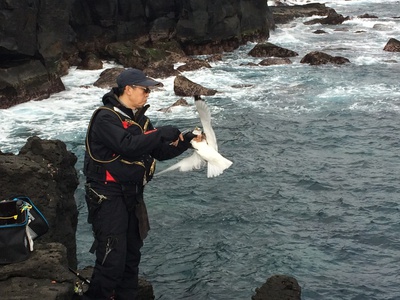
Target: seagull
point(206, 150)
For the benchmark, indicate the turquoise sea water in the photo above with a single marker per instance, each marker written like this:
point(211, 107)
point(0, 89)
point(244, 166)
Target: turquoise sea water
point(314, 188)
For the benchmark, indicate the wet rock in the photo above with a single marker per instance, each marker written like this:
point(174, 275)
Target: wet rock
point(185, 87)
point(320, 58)
point(275, 61)
point(285, 14)
point(319, 31)
point(161, 70)
point(27, 80)
point(215, 57)
point(392, 45)
point(367, 16)
point(333, 18)
point(279, 287)
point(44, 171)
point(269, 49)
point(91, 62)
point(194, 64)
point(180, 102)
point(107, 78)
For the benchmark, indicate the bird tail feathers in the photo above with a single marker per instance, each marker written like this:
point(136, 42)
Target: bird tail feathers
point(216, 169)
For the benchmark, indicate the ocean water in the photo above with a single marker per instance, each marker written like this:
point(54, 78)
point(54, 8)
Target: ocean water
point(314, 189)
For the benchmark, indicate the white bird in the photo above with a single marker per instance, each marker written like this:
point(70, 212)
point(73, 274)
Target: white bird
point(205, 151)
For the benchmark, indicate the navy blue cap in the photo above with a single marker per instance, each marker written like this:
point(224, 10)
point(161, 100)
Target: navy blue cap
point(134, 77)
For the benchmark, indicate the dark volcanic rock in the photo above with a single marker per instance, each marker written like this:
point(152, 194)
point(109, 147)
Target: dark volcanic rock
point(33, 39)
point(194, 64)
point(320, 58)
point(108, 77)
point(26, 80)
point(90, 62)
point(185, 87)
point(275, 61)
point(269, 49)
point(279, 287)
point(392, 45)
point(179, 102)
point(333, 18)
point(38, 41)
point(44, 171)
point(285, 14)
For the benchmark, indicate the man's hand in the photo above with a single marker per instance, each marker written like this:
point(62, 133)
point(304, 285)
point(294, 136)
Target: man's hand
point(175, 143)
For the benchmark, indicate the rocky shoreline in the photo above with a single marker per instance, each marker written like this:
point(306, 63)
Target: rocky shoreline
point(45, 171)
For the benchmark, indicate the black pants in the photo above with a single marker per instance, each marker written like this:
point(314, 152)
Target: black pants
point(116, 232)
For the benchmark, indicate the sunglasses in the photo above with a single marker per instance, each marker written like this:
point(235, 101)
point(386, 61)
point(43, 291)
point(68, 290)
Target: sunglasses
point(145, 89)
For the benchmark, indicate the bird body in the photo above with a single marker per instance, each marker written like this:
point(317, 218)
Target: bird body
point(205, 151)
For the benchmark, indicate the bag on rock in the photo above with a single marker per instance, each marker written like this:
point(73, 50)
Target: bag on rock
point(15, 244)
point(38, 224)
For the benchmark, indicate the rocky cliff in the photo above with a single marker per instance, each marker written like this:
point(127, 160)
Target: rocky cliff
point(40, 39)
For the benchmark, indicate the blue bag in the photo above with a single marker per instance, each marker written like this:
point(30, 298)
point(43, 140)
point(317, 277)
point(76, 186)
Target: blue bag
point(38, 224)
point(20, 224)
point(14, 240)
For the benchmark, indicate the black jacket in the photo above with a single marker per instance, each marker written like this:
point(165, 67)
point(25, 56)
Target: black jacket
point(122, 146)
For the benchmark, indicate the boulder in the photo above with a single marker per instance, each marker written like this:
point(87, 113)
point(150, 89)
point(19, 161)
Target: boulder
point(179, 102)
point(320, 58)
point(285, 14)
point(279, 287)
point(107, 78)
point(392, 45)
point(44, 171)
point(33, 39)
point(333, 18)
point(39, 42)
point(194, 64)
point(90, 62)
point(275, 61)
point(26, 80)
point(185, 87)
point(269, 49)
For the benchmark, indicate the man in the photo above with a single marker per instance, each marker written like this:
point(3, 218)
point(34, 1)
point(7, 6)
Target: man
point(121, 148)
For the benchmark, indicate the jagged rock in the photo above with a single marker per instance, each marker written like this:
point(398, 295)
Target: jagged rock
point(41, 41)
point(91, 62)
point(333, 18)
point(107, 78)
point(44, 171)
point(367, 16)
point(392, 45)
point(275, 61)
point(269, 49)
point(26, 80)
point(216, 26)
point(161, 70)
point(320, 58)
point(250, 64)
point(179, 102)
point(33, 40)
point(214, 57)
point(285, 14)
point(194, 64)
point(240, 86)
point(279, 287)
point(185, 87)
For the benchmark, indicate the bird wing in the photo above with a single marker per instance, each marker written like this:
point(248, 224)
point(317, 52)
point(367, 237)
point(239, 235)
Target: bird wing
point(205, 118)
point(187, 164)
